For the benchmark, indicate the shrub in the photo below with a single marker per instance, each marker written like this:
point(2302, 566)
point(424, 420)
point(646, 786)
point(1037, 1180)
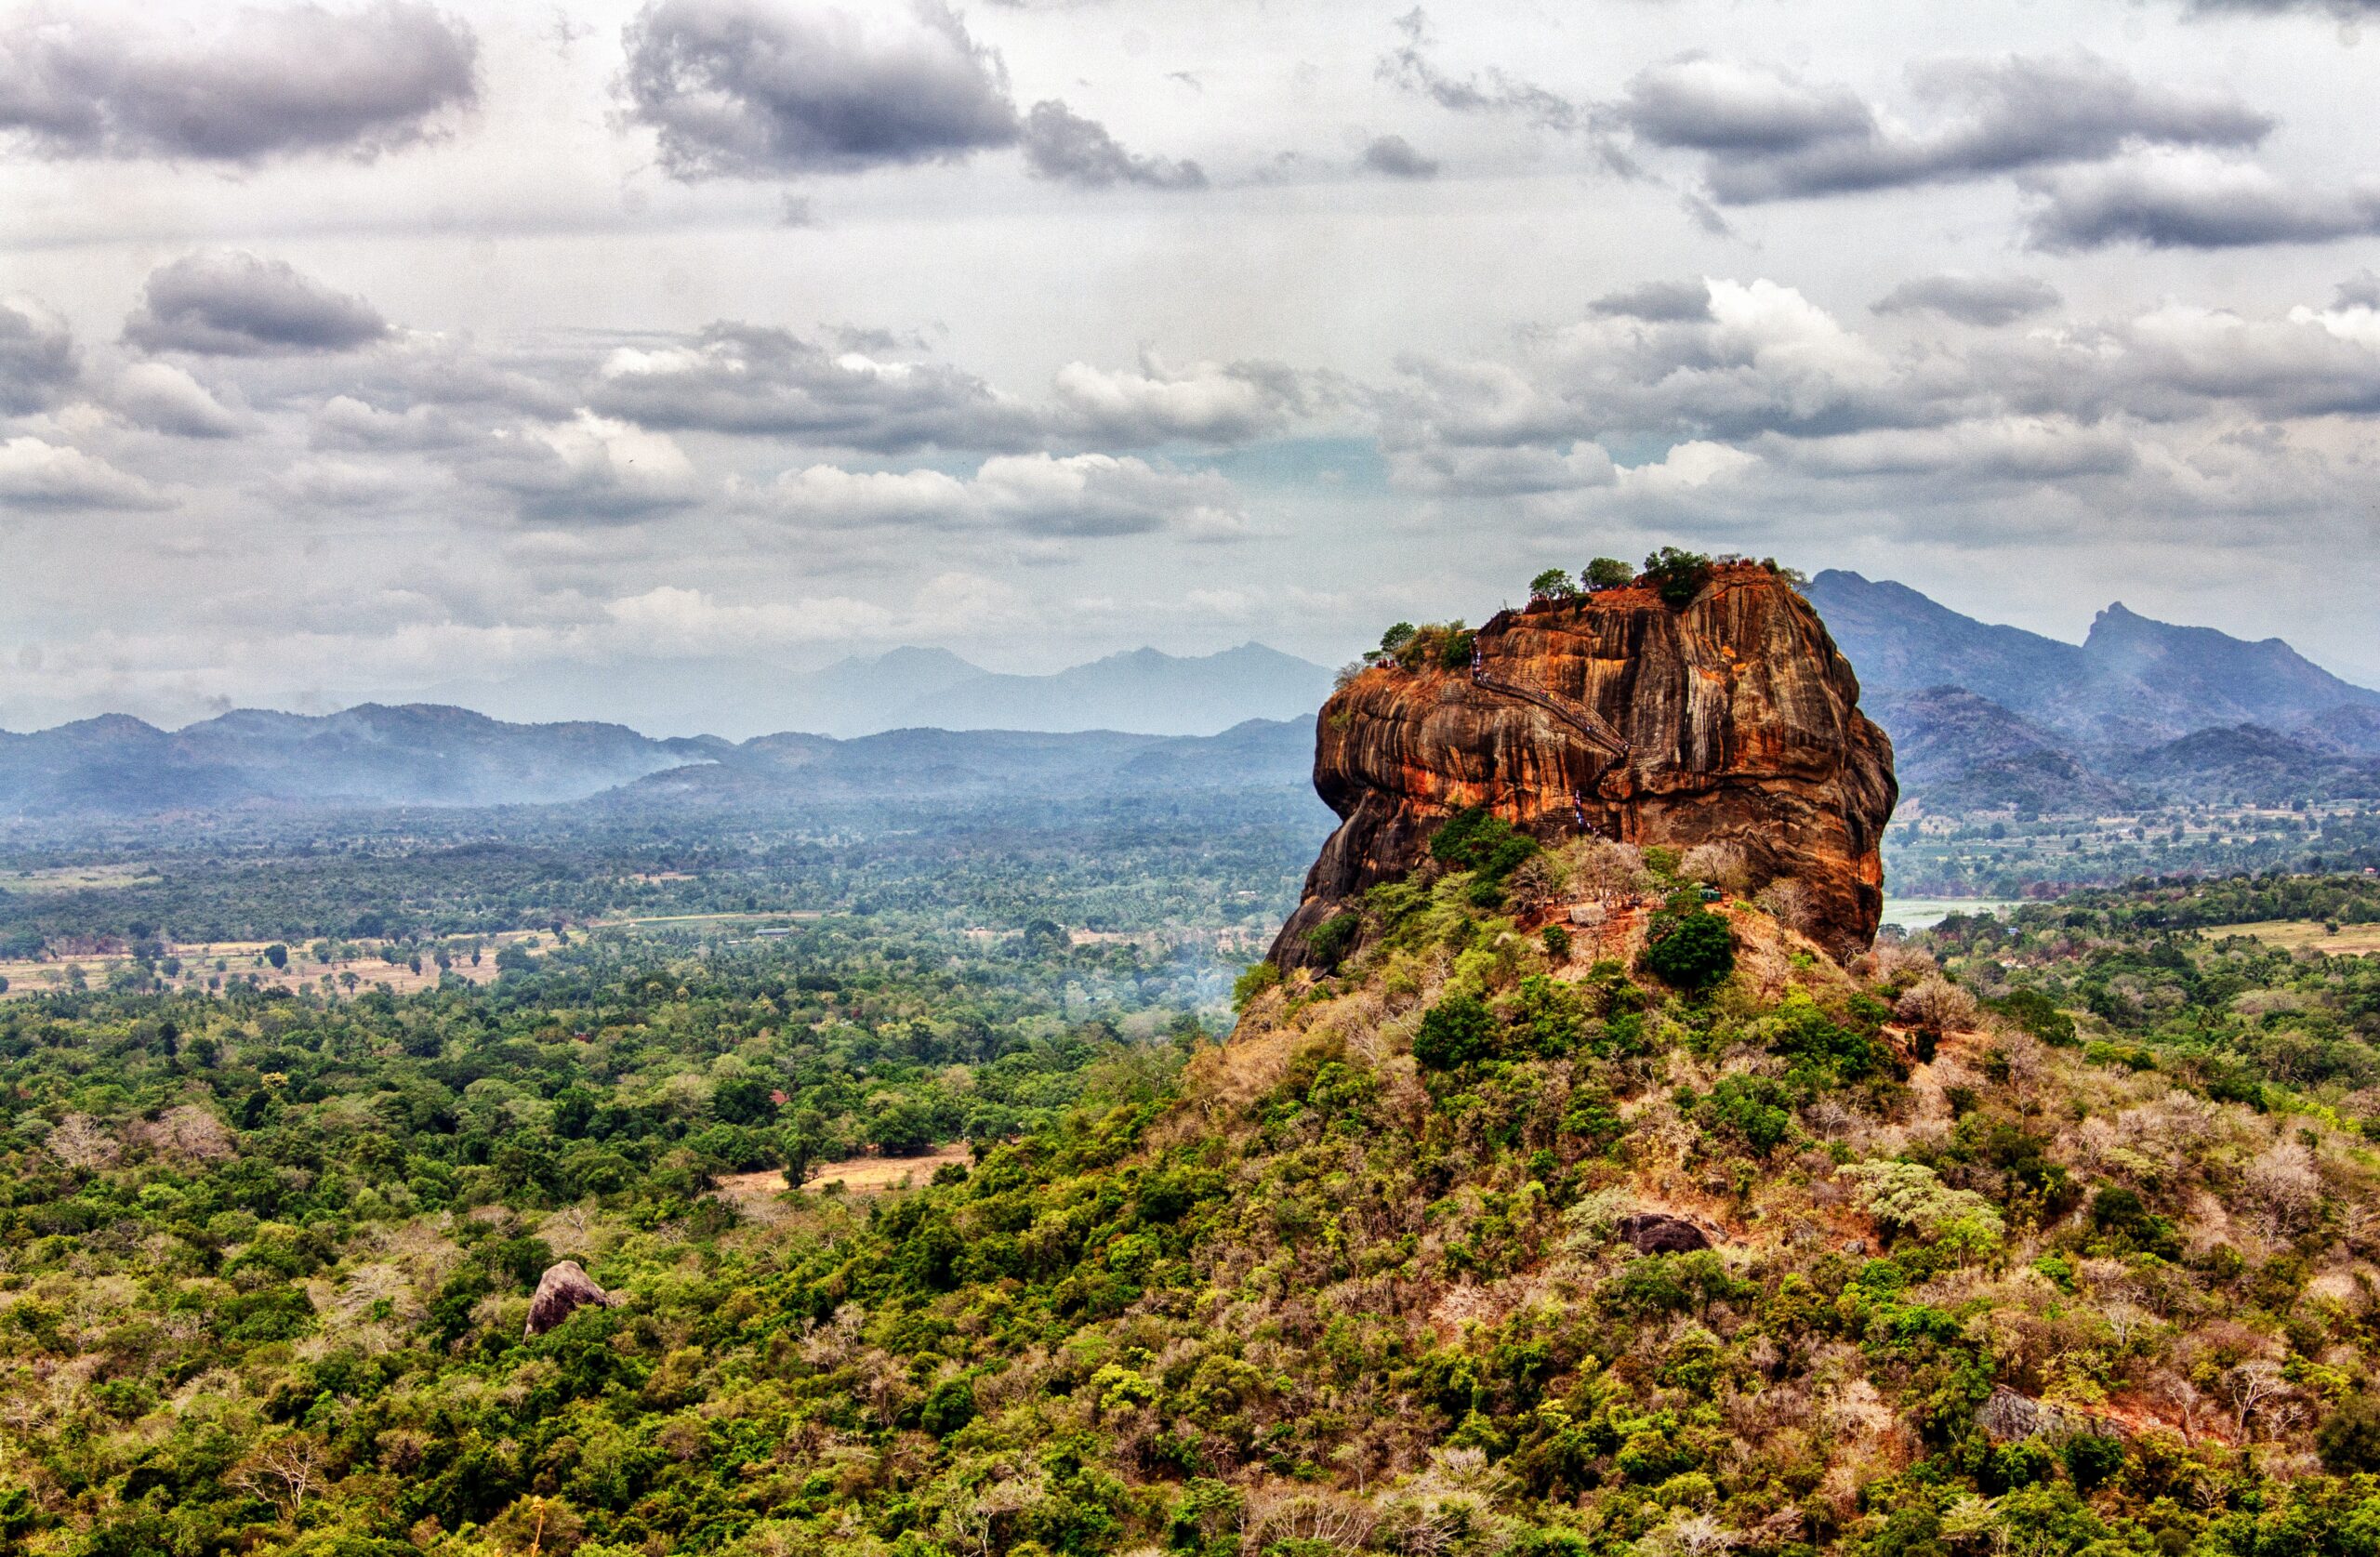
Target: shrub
point(1455, 1032)
point(1689, 951)
point(1258, 978)
point(1551, 1015)
point(1474, 838)
point(2349, 1439)
point(1910, 1197)
point(2037, 1014)
point(1330, 942)
point(1557, 942)
point(1752, 1107)
point(2090, 1459)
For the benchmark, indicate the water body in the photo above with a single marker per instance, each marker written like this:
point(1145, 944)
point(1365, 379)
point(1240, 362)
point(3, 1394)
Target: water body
point(1925, 913)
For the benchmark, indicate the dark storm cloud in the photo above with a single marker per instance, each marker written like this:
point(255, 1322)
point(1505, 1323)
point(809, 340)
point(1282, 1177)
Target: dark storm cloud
point(37, 357)
point(754, 88)
point(1060, 144)
point(1769, 137)
point(1989, 301)
point(264, 83)
point(2192, 203)
point(234, 304)
point(754, 379)
point(1394, 155)
point(1656, 301)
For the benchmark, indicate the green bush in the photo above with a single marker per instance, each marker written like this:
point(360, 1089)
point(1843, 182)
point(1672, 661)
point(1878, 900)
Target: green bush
point(1252, 981)
point(1330, 942)
point(1689, 951)
point(2350, 1438)
point(1476, 839)
point(2092, 1461)
point(1455, 1032)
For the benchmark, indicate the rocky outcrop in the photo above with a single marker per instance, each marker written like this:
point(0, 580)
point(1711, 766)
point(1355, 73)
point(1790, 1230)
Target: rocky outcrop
point(1732, 719)
point(563, 1291)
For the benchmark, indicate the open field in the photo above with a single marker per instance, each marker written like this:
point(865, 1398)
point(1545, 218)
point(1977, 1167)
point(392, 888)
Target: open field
point(2298, 934)
point(76, 879)
point(752, 1192)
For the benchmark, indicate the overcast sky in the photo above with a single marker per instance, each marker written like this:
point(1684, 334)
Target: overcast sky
point(359, 348)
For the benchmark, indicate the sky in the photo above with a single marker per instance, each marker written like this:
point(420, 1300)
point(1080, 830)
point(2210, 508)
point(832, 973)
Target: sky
point(383, 348)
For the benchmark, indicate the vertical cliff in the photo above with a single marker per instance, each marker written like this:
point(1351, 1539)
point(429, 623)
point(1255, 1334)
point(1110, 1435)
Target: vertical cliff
point(1732, 719)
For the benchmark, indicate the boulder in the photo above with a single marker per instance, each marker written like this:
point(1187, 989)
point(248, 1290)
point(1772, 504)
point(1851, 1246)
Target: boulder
point(1732, 719)
point(563, 1291)
point(1657, 1232)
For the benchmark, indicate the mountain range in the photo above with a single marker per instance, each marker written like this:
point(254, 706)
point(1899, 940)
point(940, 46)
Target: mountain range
point(1985, 716)
point(425, 755)
point(1139, 692)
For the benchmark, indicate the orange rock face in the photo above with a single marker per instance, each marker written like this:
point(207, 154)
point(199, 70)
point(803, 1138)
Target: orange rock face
point(1735, 719)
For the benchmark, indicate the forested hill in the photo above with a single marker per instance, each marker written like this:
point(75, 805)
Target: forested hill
point(1477, 1239)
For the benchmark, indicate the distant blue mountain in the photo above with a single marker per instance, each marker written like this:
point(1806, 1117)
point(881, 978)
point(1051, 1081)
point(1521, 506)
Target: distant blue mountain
point(1985, 716)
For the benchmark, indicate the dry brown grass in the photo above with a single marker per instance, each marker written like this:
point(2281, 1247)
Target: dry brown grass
point(755, 1193)
point(2297, 935)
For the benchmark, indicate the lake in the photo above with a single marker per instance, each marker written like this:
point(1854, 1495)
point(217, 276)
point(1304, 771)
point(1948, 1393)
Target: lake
point(1925, 913)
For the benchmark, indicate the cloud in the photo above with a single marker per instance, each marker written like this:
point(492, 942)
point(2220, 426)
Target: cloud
point(2189, 201)
point(1074, 497)
point(164, 398)
point(1721, 106)
point(590, 468)
point(1494, 92)
point(1208, 403)
point(760, 89)
point(754, 379)
point(1766, 136)
point(1062, 144)
point(1665, 302)
point(1988, 301)
point(345, 422)
point(37, 357)
point(236, 303)
point(43, 475)
point(1394, 155)
point(670, 619)
point(258, 84)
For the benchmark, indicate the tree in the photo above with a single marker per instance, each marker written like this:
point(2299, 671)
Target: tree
point(1609, 572)
point(1553, 583)
point(1689, 951)
point(1394, 641)
point(278, 955)
point(284, 1474)
point(1677, 576)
